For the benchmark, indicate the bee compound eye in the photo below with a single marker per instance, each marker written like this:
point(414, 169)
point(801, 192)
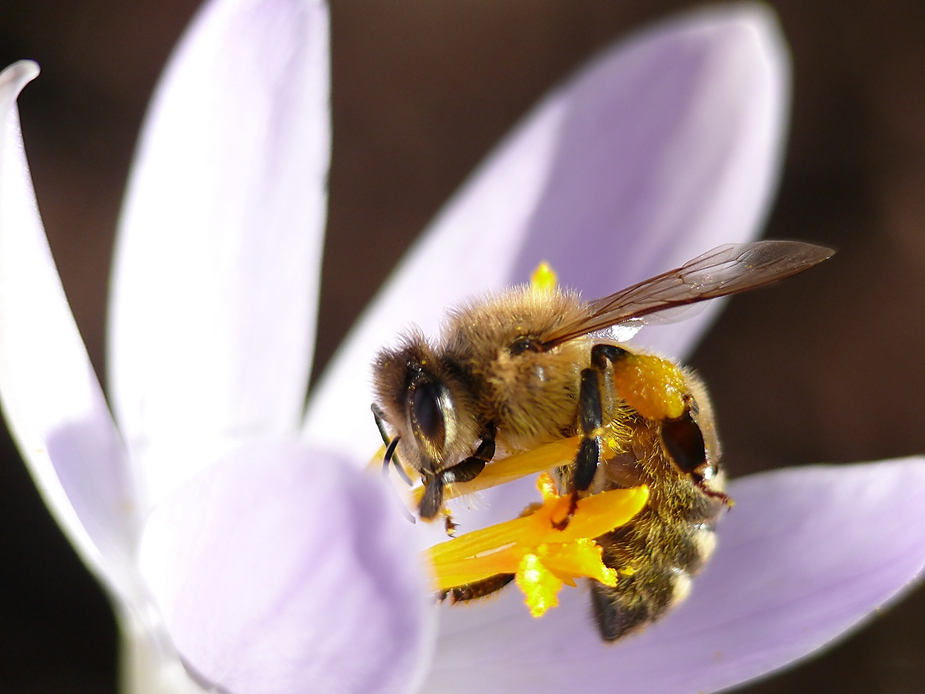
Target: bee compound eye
point(524, 343)
point(430, 401)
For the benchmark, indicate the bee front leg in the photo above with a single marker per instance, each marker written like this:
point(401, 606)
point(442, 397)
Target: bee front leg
point(432, 500)
point(464, 471)
point(468, 469)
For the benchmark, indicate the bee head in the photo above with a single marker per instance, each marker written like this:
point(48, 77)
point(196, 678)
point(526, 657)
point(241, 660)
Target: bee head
point(422, 400)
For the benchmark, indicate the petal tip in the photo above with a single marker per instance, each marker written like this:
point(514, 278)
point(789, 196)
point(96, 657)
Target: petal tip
point(18, 75)
point(757, 22)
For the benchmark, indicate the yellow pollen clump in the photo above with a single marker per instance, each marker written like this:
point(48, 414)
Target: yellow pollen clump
point(541, 557)
point(539, 584)
point(543, 278)
point(652, 386)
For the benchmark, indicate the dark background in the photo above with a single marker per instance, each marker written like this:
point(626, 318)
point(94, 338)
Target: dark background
point(826, 367)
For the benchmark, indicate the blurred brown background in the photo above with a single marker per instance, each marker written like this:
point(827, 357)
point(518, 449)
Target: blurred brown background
point(826, 367)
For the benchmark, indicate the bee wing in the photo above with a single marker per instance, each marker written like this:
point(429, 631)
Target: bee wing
point(720, 272)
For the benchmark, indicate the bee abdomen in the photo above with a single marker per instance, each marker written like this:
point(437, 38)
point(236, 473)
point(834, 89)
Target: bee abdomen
point(637, 601)
point(655, 562)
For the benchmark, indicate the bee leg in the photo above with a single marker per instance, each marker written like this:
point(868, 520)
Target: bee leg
point(590, 418)
point(476, 590)
point(448, 525)
point(432, 500)
point(468, 469)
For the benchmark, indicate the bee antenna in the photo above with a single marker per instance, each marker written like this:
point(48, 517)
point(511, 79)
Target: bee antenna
point(389, 453)
point(390, 446)
point(390, 457)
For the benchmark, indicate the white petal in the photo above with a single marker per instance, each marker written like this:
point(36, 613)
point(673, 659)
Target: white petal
point(660, 149)
point(50, 394)
point(148, 663)
point(282, 569)
point(805, 555)
point(217, 263)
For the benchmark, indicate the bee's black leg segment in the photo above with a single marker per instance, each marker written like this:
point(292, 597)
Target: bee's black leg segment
point(590, 414)
point(465, 471)
point(474, 591)
point(468, 469)
point(590, 418)
point(432, 501)
point(589, 453)
point(603, 353)
point(591, 422)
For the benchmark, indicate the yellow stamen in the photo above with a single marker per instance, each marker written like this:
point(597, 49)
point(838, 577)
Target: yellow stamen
point(503, 470)
point(543, 278)
point(558, 556)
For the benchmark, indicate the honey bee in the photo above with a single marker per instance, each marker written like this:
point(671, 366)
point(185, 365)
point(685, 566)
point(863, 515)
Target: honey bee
point(522, 368)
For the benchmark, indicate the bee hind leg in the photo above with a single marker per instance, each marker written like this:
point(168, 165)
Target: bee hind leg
point(476, 590)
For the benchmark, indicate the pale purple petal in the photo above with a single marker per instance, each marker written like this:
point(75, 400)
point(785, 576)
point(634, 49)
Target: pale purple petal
point(50, 394)
point(217, 262)
point(282, 569)
point(805, 555)
point(660, 149)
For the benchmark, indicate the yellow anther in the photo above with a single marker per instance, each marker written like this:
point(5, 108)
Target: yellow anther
point(543, 278)
point(547, 487)
point(579, 558)
point(555, 556)
point(539, 584)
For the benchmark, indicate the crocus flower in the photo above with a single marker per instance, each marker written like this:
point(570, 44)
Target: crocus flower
point(242, 545)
